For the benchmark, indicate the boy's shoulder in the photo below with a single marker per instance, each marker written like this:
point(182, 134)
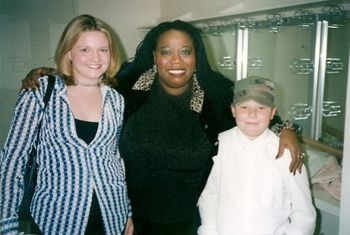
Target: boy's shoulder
point(227, 133)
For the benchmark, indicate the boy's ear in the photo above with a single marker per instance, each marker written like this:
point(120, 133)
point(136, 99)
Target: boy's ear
point(274, 111)
point(233, 111)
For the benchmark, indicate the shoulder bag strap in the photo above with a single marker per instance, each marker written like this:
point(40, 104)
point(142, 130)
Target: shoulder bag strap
point(49, 90)
point(47, 96)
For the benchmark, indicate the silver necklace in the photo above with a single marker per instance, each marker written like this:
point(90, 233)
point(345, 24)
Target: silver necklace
point(77, 83)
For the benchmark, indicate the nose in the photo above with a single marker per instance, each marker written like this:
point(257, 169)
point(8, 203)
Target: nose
point(176, 57)
point(252, 112)
point(96, 55)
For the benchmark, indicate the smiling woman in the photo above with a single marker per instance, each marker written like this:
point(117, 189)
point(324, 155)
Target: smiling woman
point(175, 60)
point(90, 57)
point(76, 192)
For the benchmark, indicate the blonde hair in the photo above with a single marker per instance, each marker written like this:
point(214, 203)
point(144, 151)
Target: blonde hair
point(71, 34)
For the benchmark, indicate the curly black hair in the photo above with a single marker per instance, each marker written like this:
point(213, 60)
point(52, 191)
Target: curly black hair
point(143, 59)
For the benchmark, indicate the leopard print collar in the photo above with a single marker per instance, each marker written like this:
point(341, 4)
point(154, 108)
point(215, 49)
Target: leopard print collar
point(145, 81)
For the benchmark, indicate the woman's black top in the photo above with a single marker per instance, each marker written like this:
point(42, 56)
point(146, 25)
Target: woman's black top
point(86, 130)
point(166, 155)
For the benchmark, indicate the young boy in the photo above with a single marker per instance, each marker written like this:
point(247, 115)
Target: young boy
point(248, 190)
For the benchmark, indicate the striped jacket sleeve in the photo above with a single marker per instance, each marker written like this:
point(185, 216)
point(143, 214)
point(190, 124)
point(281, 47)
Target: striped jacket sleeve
point(14, 155)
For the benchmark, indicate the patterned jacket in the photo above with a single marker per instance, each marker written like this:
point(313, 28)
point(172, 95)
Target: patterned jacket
point(69, 169)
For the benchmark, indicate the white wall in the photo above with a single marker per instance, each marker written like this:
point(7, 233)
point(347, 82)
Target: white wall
point(29, 33)
point(125, 17)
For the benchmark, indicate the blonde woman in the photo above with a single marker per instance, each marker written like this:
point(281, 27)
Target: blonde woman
point(81, 185)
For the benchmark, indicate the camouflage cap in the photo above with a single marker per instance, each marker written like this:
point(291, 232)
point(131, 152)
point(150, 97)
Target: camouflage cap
point(261, 90)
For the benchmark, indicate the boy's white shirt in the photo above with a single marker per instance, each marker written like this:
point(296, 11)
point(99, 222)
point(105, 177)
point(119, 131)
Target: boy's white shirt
point(249, 192)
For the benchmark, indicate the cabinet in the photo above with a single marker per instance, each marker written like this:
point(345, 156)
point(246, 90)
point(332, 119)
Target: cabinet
point(305, 51)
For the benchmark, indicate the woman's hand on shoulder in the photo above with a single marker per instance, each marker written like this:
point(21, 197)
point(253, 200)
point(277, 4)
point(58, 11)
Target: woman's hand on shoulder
point(129, 227)
point(289, 140)
point(31, 80)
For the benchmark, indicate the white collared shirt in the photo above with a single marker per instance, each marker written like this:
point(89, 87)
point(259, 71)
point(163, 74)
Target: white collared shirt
point(249, 192)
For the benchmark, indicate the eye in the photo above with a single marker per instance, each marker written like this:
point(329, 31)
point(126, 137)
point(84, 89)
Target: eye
point(84, 50)
point(105, 50)
point(165, 52)
point(263, 108)
point(186, 51)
